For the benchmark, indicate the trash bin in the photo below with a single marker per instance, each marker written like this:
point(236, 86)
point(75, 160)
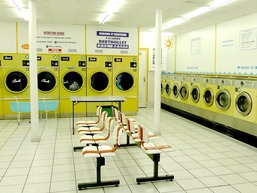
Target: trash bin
point(108, 109)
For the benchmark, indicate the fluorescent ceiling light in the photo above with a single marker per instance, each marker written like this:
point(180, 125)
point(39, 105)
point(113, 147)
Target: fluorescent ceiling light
point(174, 22)
point(220, 3)
point(202, 10)
point(22, 13)
point(103, 18)
point(197, 12)
point(111, 8)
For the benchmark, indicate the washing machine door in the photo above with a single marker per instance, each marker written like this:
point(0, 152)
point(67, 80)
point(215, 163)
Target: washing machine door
point(16, 82)
point(175, 90)
point(72, 81)
point(124, 81)
point(99, 81)
point(244, 103)
point(168, 89)
point(162, 89)
point(208, 97)
point(46, 81)
point(183, 92)
point(223, 100)
point(195, 94)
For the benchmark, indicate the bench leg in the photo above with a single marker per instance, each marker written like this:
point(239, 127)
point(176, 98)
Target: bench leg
point(156, 159)
point(100, 162)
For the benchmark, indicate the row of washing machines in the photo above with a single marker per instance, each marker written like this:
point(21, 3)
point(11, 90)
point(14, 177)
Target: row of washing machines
point(62, 76)
point(231, 101)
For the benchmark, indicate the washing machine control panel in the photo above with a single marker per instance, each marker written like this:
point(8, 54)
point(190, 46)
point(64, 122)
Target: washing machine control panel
point(133, 64)
point(108, 64)
point(25, 62)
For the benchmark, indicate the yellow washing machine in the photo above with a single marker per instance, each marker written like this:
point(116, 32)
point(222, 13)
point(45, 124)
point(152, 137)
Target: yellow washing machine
point(163, 75)
point(99, 80)
point(1, 91)
point(210, 88)
point(72, 83)
point(176, 83)
point(184, 92)
point(166, 88)
point(196, 101)
point(225, 101)
point(245, 113)
point(15, 73)
point(125, 79)
point(48, 78)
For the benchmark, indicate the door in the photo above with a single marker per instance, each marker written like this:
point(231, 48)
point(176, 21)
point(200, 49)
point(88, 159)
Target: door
point(143, 55)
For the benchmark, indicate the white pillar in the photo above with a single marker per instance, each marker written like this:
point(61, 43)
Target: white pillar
point(157, 74)
point(33, 71)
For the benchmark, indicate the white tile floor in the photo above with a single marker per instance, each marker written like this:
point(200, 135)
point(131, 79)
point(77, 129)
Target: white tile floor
point(202, 160)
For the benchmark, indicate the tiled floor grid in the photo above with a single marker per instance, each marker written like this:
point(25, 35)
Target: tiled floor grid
point(202, 160)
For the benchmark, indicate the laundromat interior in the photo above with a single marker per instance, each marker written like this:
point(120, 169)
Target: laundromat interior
point(186, 69)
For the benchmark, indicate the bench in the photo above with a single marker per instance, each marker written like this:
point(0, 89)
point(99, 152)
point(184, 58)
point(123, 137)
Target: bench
point(43, 106)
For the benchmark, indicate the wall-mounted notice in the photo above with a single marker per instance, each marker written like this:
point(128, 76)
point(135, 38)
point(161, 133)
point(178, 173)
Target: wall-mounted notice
point(110, 40)
point(66, 39)
point(8, 37)
point(195, 46)
point(248, 39)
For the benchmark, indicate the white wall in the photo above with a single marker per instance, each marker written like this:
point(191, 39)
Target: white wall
point(168, 58)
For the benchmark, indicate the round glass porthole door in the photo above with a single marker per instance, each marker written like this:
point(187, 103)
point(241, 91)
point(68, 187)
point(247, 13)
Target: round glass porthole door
point(168, 89)
point(244, 103)
point(124, 81)
point(72, 81)
point(184, 92)
point(223, 99)
point(195, 94)
point(175, 90)
point(208, 97)
point(162, 89)
point(16, 82)
point(99, 81)
point(46, 81)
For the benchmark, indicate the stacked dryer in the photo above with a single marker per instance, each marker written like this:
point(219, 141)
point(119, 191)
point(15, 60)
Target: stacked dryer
point(99, 80)
point(1, 91)
point(125, 79)
point(72, 83)
point(15, 71)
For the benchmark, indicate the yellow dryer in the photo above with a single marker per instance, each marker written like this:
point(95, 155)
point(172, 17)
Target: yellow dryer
point(245, 112)
point(176, 83)
point(1, 91)
point(184, 92)
point(125, 79)
point(15, 71)
point(72, 83)
point(225, 101)
point(99, 80)
point(196, 101)
point(48, 78)
point(167, 87)
point(210, 88)
point(163, 75)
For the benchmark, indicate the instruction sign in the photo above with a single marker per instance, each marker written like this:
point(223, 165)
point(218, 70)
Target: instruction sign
point(119, 41)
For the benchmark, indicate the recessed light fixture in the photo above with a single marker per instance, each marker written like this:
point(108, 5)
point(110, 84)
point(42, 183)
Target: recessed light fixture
point(20, 10)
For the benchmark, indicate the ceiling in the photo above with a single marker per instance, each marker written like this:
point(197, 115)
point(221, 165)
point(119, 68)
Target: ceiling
point(134, 13)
